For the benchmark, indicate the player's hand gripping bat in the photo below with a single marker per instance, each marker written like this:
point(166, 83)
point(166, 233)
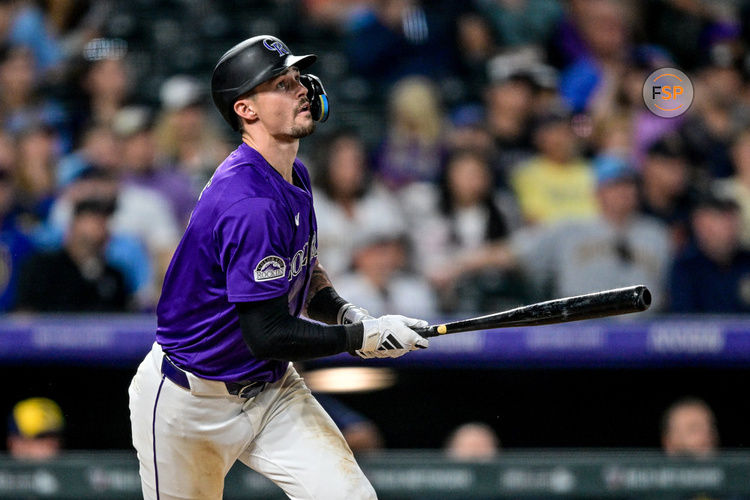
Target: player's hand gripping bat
point(593, 305)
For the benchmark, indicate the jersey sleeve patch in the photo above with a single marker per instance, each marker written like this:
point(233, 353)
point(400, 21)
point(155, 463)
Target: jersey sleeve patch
point(270, 268)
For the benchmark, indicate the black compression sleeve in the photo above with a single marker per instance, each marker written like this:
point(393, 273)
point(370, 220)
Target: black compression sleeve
point(272, 333)
point(325, 306)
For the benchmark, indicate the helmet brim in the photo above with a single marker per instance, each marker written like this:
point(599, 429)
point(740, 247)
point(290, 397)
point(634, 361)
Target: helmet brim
point(301, 62)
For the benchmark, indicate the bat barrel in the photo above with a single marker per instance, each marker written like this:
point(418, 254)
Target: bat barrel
point(593, 305)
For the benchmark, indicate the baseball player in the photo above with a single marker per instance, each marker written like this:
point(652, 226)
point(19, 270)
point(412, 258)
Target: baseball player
point(218, 385)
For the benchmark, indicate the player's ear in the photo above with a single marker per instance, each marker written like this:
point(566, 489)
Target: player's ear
point(245, 108)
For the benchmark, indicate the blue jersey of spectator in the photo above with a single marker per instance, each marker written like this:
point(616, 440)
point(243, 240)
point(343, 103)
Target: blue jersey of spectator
point(699, 284)
point(14, 248)
point(413, 40)
point(712, 275)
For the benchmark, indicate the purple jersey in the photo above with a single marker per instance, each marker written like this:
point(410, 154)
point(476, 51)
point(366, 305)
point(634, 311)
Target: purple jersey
point(252, 236)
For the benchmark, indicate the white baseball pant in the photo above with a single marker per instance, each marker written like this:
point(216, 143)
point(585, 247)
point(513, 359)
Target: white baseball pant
point(187, 440)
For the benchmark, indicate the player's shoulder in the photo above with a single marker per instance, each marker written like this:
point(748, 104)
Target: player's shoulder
point(241, 171)
point(242, 175)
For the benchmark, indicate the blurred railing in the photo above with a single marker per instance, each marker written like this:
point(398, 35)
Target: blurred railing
point(424, 475)
point(655, 341)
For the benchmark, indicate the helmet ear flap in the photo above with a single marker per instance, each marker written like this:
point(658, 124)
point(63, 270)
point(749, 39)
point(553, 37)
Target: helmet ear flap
point(316, 94)
point(322, 107)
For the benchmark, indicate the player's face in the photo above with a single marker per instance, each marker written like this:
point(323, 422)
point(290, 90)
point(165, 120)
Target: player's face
point(283, 108)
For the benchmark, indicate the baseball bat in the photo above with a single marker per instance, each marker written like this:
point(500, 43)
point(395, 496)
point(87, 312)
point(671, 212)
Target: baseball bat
point(592, 305)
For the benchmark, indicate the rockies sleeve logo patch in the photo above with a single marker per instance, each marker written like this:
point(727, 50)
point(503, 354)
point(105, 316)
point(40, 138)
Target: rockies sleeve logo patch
point(270, 268)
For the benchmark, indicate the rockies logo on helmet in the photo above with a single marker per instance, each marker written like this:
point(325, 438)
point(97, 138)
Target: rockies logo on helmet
point(276, 45)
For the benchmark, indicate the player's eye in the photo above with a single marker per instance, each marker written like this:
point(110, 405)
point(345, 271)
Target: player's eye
point(281, 84)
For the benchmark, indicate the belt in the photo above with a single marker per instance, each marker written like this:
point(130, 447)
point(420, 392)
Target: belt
point(179, 376)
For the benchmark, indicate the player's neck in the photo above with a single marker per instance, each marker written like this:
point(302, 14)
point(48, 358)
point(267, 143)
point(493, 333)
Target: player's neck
point(279, 154)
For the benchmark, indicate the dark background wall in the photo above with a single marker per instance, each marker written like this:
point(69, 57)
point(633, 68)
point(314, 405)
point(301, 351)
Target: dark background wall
point(528, 408)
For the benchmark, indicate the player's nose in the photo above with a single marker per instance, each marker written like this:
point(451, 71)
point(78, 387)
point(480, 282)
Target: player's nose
point(301, 90)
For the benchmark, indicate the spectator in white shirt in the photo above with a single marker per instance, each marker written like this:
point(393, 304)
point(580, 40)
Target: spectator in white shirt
point(348, 201)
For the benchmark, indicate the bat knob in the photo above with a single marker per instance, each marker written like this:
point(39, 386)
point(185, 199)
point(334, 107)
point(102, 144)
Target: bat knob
point(642, 298)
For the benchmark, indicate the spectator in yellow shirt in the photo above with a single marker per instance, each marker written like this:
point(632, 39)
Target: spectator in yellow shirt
point(555, 184)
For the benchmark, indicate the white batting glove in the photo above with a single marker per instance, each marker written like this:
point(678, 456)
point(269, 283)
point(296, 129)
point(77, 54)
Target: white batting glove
point(391, 336)
point(350, 313)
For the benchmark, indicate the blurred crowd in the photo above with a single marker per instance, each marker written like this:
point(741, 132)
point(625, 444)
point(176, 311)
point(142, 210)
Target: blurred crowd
point(688, 428)
point(480, 154)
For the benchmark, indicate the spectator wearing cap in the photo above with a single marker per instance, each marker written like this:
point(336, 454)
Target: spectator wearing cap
point(737, 187)
point(665, 187)
point(24, 23)
point(35, 429)
point(187, 139)
point(126, 250)
point(140, 166)
point(712, 274)
point(617, 248)
point(77, 277)
point(556, 184)
point(102, 84)
point(348, 200)
point(143, 229)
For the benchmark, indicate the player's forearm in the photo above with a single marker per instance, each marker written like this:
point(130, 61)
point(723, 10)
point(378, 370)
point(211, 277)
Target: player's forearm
point(318, 281)
point(323, 303)
point(270, 332)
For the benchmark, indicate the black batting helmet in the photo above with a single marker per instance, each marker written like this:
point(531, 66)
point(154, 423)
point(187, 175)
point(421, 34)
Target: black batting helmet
point(247, 65)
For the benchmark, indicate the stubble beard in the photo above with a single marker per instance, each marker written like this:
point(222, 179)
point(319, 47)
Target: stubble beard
point(300, 131)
